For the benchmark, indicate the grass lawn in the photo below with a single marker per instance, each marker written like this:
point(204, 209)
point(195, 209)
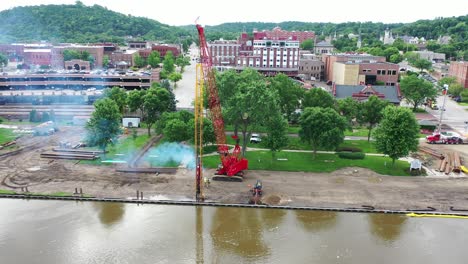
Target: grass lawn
point(295, 143)
point(123, 150)
point(292, 129)
point(463, 104)
point(262, 160)
point(6, 135)
point(357, 132)
point(7, 192)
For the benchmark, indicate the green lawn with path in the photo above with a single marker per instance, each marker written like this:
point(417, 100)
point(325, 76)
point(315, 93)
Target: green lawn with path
point(293, 161)
point(6, 135)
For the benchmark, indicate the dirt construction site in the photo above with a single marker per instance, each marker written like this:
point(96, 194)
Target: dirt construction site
point(23, 166)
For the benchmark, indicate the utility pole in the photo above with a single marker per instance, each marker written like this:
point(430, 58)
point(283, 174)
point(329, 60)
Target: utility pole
point(444, 92)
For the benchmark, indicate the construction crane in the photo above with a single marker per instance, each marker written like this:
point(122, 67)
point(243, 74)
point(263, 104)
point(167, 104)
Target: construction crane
point(232, 165)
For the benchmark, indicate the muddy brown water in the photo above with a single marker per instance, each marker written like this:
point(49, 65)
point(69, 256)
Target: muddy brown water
point(88, 232)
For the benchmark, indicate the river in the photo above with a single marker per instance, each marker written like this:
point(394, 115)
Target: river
point(51, 232)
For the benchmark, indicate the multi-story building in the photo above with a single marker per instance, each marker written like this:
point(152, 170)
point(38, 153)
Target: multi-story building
point(278, 34)
point(126, 57)
point(329, 61)
point(431, 56)
point(324, 47)
point(360, 73)
point(310, 67)
point(14, 52)
point(224, 52)
point(76, 81)
point(137, 44)
point(37, 57)
point(440, 70)
point(459, 70)
point(164, 48)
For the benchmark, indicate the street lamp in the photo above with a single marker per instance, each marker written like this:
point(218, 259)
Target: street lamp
point(444, 92)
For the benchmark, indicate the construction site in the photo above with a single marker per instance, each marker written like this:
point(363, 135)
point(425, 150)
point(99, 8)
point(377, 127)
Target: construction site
point(56, 160)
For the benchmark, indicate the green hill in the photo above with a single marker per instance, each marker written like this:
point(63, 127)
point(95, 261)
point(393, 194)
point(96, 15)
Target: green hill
point(80, 24)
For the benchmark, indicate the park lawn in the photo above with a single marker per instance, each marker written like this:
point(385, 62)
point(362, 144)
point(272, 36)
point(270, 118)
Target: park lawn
point(358, 132)
point(295, 143)
point(7, 192)
point(292, 129)
point(463, 104)
point(6, 135)
point(262, 160)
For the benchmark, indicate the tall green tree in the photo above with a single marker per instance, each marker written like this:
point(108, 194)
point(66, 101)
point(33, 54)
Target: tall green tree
point(118, 95)
point(155, 102)
point(307, 44)
point(290, 94)
point(322, 128)
point(104, 124)
point(208, 131)
point(135, 100)
point(416, 90)
point(175, 77)
point(397, 133)
point(318, 98)
point(370, 112)
point(139, 61)
point(176, 131)
point(3, 60)
point(154, 59)
point(348, 108)
point(276, 138)
point(105, 61)
point(422, 64)
point(168, 63)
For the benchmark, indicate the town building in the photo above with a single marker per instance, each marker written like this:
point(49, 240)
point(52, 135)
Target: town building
point(37, 57)
point(431, 56)
point(137, 45)
point(330, 59)
point(97, 52)
point(363, 92)
point(459, 70)
point(387, 38)
point(324, 47)
point(441, 70)
point(123, 58)
point(164, 48)
point(224, 53)
point(78, 65)
point(360, 73)
point(278, 34)
point(310, 67)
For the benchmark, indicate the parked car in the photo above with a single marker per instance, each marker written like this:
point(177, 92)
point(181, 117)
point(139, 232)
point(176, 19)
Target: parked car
point(255, 138)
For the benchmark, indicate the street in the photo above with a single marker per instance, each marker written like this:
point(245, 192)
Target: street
point(185, 91)
point(454, 115)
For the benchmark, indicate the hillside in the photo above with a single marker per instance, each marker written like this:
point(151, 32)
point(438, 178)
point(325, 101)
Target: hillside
point(456, 27)
point(80, 24)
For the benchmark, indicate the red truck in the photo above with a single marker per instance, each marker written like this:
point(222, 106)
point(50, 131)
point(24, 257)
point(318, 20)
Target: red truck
point(445, 138)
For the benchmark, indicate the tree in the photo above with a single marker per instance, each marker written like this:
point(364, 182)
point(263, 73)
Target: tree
point(104, 125)
point(45, 117)
point(3, 60)
point(208, 131)
point(317, 97)
point(34, 116)
point(422, 64)
point(182, 61)
point(118, 95)
point(307, 44)
point(105, 61)
point(155, 102)
point(135, 100)
point(396, 58)
point(322, 128)
point(397, 133)
point(370, 112)
point(172, 101)
point(175, 77)
point(139, 61)
point(348, 108)
point(276, 138)
point(176, 131)
point(416, 90)
point(290, 94)
point(154, 59)
point(168, 63)
point(388, 52)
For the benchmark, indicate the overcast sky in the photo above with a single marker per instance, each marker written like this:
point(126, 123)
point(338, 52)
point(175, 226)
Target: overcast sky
point(214, 12)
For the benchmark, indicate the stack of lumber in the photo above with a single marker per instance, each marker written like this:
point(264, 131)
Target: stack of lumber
point(68, 155)
point(431, 152)
point(451, 162)
point(8, 144)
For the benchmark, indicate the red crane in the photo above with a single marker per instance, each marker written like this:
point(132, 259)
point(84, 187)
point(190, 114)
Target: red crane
point(232, 164)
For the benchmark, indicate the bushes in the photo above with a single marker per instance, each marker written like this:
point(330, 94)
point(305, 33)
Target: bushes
point(349, 149)
point(351, 155)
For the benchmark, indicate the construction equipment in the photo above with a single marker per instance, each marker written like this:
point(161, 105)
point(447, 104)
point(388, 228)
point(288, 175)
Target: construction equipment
point(232, 164)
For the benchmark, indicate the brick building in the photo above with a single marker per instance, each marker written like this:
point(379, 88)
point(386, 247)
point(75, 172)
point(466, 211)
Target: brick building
point(14, 52)
point(224, 52)
point(96, 51)
point(360, 73)
point(330, 59)
point(459, 70)
point(324, 47)
point(37, 57)
point(278, 34)
point(310, 67)
point(164, 48)
point(127, 56)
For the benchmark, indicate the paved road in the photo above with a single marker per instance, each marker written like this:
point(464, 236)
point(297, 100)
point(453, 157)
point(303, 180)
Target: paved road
point(455, 115)
point(185, 91)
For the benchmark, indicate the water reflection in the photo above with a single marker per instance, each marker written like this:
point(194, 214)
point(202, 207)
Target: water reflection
point(110, 213)
point(239, 231)
point(387, 226)
point(272, 218)
point(316, 220)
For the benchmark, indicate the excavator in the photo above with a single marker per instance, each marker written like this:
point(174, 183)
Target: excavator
point(232, 165)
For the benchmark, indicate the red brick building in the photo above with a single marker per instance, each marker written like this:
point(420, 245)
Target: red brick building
point(459, 70)
point(164, 48)
point(40, 57)
point(278, 34)
point(329, 61)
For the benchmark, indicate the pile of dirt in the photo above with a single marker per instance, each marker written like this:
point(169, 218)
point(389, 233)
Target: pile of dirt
point(271, 199)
